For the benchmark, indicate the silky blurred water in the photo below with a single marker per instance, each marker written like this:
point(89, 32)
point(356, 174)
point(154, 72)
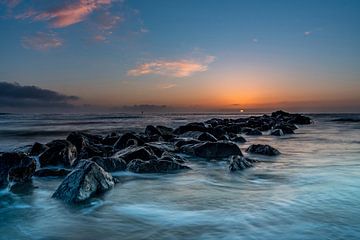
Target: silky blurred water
point(310, 191)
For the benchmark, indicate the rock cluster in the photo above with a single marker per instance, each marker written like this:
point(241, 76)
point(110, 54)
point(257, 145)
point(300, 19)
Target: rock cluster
point(87, 159)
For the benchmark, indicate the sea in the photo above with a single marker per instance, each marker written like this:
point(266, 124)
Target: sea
point(310, 191)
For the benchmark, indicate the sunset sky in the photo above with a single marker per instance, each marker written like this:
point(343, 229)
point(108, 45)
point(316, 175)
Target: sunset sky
point(203, 54)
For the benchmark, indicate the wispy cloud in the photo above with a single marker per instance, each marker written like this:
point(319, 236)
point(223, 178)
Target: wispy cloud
point(66, 13)
point(307, 33)
point(167, 86)
point(42, 41)
point(178, 68)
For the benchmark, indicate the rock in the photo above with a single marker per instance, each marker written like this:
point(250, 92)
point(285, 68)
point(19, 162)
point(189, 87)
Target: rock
point(263, 150)
point(207, 137)
point(219, 149)
point(183, 141)
point(166, 132)
point(60, 152)
point(172, 157)
point(37, 149)
point(151, 130)
point(128, 139)
point(133, 152)
point(254, 132)
point(191, 127)
point(300, 119)
point(239, 163)
point(52, 172)
point(81, 139)
point(277, 132)
point(238, 139)
point(160, 147)
point(280, 113)
point(85, 181)
point(154, 166)
point(110, 164)
point(22, 172)
point(14, 160)
point(285, 128)
point(110, 140)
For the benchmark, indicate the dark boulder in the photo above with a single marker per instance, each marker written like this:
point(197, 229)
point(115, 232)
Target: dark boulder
point(133, 152)
point(239, 163)
point(254, 132)
point(263, 150)
point(166, 132)
point(85, 181)
point(37, 149)
point(154, 166)
point(191, 127)
point(183, 141)
point(277, 132)
point(280, 114)
point(110, 164)
point(51, 172)
point(238, 139)
point(219, 149)
point(81, 139)
point(300, 119)
point(19, 165)
point(128, 139)
point(151, 130)
point(207, 137)
point(160, 147)
point(60, 152)
point(285, 128)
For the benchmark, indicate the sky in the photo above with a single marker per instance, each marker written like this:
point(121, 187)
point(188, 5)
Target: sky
point(210, 55)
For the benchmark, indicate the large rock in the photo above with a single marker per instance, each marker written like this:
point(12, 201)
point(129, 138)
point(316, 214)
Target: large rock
point(277, 132)
point(37, 149)
point(154, 166)
point(15, 167)
point(160, 147)
point(60, 152)
point(191, 127)
point(110, 164)
point(219, 149)
point(263, 150)
point(239, 163)
point(133, 152)
point(207, 137)
point(85, 181)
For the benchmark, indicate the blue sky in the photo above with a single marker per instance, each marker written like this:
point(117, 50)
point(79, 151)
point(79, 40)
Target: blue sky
point(207, 54)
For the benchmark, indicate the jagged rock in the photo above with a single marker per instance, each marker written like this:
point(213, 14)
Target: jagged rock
point(263, 150)
point(160, 147)
point(133, 152)
point(128, 139)
point(151, 130)
point(191, 127)
point(238, 139)
point(239, 163)
point(183, 141)
point(37, 149)
point(60, 152)
point(154, 166)
point(207, 137)
point(85, 181)
point(277, 132)
point(22, 172)
point(110, 164)
point(52, 172)
point(219, 149)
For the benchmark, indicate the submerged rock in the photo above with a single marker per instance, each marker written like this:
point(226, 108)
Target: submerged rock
point(219, 149)
point(238, 139)
point(277, 132)
point(253, 132)
point(85, 181)
point(52, 172)
point(60, 152)
point(263, 150)
point(154, 166)
point(239, 163)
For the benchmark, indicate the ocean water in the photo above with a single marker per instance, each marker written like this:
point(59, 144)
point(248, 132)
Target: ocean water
point(310, 191)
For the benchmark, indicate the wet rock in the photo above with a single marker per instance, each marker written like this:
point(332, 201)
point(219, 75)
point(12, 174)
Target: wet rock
point(254, 132)
point(191, 127)
point(60, 152)
point(151, 130)
point(133, 152)
point(172, 157)
point(263, 150)
point(128, 139)
point(110, 140)
point(86, 180)
point(110, 164)
point(154, 166)
point(22, 172)
point(285, 128)
point(160, 147)
point(180, 142)
point(239, 163)
point(37, 149)
point(219, 149)
point(300, 119)
point(18, 161)
point(166, 132)
point(80, 140)
point(191, 134)
point(52, 172)
point(207, 137)
point(277, 132)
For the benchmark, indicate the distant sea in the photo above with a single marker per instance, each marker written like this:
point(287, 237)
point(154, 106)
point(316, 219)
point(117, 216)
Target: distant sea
point(310, 191)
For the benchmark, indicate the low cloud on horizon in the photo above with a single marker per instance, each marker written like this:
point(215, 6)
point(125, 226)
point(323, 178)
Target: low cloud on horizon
point(14, 95)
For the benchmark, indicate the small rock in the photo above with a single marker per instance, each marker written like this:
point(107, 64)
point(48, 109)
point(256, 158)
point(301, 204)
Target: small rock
point(263, 150)
point(254, 132)
point(239, 163)
point(277, 132)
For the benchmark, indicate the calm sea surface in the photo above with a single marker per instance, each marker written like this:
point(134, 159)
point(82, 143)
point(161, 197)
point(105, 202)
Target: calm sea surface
point(310, 191)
